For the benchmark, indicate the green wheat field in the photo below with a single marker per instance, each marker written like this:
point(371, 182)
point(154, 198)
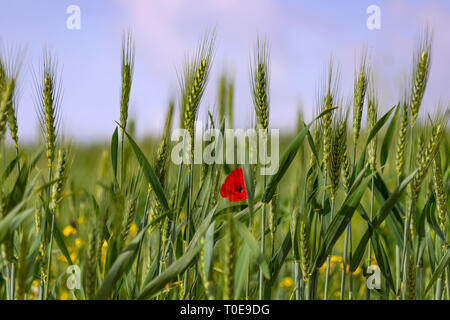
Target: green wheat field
point(359, 208)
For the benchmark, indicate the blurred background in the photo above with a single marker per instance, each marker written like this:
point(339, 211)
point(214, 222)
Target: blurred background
point(303, 35)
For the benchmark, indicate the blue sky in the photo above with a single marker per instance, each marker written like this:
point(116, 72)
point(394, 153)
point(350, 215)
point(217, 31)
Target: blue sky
point(302, 35)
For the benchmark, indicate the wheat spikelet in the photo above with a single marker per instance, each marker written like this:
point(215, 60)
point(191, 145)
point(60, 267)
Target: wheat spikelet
point(12, 123)
point(337, 150)
point(127, 69)
point(273, 214)
point(5, 105)
point(346, 170)
point(194, 82)
point(47, 101)
point(9, 74)
point(439, 190)
point(305, 253)
point(401, 140)
point(259, 71)
point(60, 179)
point(37, 220)
point(421, 70)
point(360, 87)
point(326, 99)
point(42, 258)
point(426, 157)
point(420, 146)
point(372, 111)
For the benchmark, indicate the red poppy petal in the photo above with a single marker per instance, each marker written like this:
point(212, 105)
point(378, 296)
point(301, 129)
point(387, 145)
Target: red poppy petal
point(234, 187)
point(225, 190)
point(238, 197)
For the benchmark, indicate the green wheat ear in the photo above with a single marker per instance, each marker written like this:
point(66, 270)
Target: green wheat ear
point(194, 81)
point(401, 139)
point(360, 87)
point(338, 148)
point(421, 71)
point(439, 190)
point(127, 68)
point(305, 252)
point(273, 215)
point(47, 100)
point(346, 171)
point(61, 175)
point(427, 155)
point(372, 114)
point(9, 74)
point(5, 105)
point(260, 83)
point(327, 98)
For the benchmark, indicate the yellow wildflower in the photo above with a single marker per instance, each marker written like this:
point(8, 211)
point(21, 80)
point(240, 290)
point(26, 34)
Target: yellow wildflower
point(62, 258)
point(69, 230)
point(286, 283)
point(335, 259)
point(78, 242)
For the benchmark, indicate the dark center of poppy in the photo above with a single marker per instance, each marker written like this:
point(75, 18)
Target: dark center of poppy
point(240, 189)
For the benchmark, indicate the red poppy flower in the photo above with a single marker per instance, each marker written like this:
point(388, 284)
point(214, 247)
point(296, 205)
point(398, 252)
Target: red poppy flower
point(234, 187)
